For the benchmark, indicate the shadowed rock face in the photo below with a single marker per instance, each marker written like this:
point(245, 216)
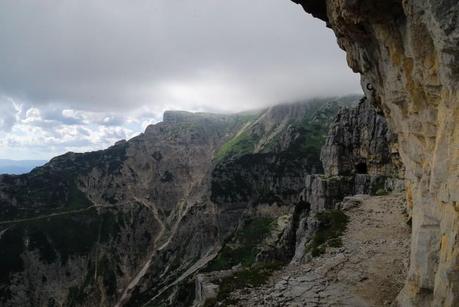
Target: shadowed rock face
point(408, 55)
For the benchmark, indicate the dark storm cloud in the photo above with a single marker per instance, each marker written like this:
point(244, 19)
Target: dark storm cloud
point(115, 54)
point(120, 59)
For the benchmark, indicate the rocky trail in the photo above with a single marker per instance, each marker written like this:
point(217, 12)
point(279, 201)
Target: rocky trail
point(368, 270)
point(56, 214)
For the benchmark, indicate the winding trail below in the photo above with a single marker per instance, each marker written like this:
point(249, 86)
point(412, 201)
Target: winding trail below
point(43, 217)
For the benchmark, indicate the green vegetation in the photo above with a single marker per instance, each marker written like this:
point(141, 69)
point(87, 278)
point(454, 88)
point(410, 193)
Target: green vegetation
point(53, 187)
point(254, 276)
point(378, 186)
point(244, 143)
point(68, 235)
point(313, 130)
point(243, 247)
point(332, 224)
point(57, 237)
point(381, 192)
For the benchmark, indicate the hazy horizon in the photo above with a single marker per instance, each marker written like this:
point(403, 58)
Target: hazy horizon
point(17, 167)
point(80, 75)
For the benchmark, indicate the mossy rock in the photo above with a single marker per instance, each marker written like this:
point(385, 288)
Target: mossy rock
point(332, 224)
point(381, 192)
point(242, 247)
point(252, 277)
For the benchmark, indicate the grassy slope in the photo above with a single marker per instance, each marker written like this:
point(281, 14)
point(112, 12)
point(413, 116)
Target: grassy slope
point(312, 127)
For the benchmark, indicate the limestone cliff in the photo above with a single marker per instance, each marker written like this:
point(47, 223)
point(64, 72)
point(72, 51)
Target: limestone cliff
point(407, 53)
point(360, 142)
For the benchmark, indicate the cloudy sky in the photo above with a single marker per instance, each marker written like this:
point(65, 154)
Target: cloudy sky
point(77, 75)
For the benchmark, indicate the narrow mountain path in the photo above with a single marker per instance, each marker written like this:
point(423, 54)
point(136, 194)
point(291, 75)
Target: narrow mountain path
point(368, 270)
point(51, 215)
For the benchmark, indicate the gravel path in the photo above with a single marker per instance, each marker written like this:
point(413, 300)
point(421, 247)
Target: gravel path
point(369, 269)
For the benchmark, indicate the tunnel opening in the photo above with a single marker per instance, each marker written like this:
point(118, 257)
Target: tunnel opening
point(361, 168)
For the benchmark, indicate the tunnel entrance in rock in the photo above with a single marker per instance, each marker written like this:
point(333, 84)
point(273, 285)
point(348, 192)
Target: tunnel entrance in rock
point(361, 168)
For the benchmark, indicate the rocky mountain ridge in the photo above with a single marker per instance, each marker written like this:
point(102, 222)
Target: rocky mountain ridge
point(196, 195)
point(81, 229)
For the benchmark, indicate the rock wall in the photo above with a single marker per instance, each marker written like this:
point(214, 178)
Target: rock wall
point(359, 156)
point(408, 55)
point(360, 142)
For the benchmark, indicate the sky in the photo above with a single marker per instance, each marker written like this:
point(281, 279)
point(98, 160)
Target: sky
point(78, 75)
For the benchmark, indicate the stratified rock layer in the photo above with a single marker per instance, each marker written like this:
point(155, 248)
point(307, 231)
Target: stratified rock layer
point(408, 55)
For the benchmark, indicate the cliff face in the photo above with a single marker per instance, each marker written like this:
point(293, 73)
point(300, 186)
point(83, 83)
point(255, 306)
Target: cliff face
point(359, 156)
point(360, 142)
point(407, 53)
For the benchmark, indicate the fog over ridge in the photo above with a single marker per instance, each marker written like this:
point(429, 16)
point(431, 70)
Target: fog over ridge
point(79, 75)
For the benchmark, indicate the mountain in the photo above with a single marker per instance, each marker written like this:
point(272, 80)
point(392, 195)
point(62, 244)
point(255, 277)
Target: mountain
point(193, 197)
point(17, 167)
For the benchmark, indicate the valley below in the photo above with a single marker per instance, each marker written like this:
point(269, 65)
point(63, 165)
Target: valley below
point(202, 209)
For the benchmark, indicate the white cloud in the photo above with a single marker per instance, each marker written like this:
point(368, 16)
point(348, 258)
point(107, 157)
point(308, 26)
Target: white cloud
point(32, 135)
